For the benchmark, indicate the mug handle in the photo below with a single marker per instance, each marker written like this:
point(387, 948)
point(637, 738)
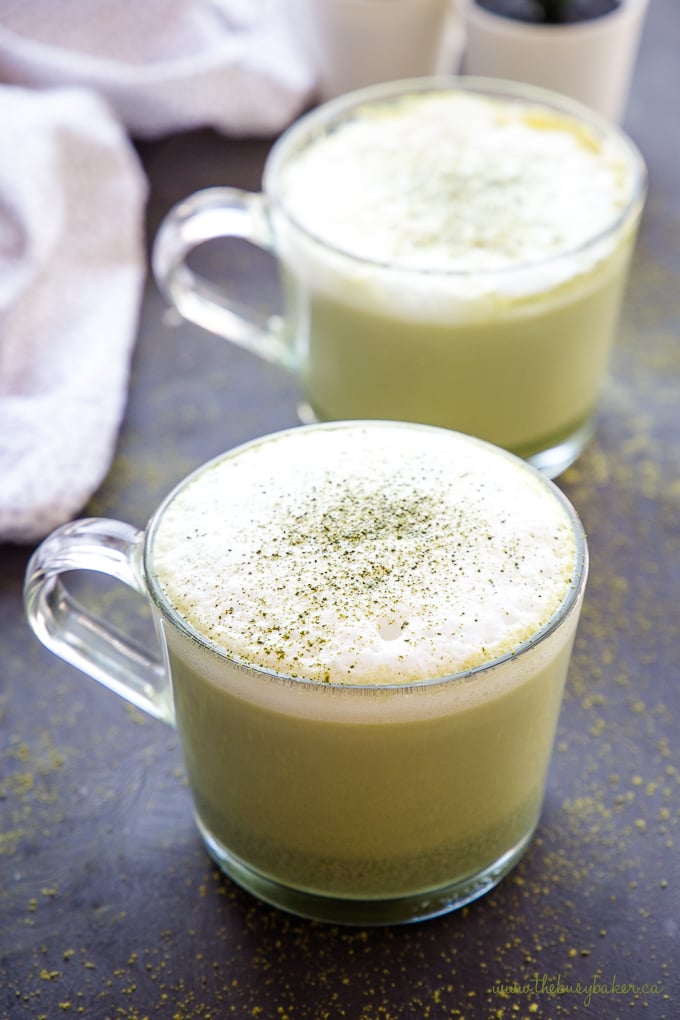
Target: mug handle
point(204, 216)
point(82, 639)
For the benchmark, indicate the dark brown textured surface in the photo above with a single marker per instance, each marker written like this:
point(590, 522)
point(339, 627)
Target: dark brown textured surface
point(110, 907)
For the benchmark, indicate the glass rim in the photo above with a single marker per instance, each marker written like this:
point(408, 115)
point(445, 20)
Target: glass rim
point(316, 121)
point(173, 617)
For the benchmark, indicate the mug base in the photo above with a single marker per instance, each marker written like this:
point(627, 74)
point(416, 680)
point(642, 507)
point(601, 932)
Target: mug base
point(555, 460)
point(551, 461)
point(421, 906)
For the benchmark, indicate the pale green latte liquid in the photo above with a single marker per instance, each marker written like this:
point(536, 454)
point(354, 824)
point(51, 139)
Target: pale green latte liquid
point(525, 377)
point(364, 808)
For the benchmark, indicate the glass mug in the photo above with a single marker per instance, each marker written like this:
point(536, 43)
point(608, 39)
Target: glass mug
point(361, 803)
point(515, 355)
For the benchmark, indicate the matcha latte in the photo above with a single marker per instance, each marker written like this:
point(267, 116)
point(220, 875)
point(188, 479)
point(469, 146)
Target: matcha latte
point(452, 251)
point(458, 257)
point(368, 626)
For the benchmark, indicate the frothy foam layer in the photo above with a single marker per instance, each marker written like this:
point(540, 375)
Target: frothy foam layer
point(458, 182)
point(368, 553)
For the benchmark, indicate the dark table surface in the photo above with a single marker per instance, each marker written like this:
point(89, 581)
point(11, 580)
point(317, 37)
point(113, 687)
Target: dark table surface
point(109, 905)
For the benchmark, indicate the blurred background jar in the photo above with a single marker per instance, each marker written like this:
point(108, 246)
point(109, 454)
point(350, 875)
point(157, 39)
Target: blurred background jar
point(585, 49)
point(353, 43)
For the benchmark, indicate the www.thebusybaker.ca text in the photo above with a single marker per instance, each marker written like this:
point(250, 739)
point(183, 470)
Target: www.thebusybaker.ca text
point(546, 984)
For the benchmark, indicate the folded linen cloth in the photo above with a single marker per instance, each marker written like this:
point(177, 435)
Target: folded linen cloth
point(71, 269)
point(80, 78)
point(165, 65)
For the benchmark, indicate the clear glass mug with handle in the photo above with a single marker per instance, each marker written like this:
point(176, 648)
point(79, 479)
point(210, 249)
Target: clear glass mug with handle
point(514, 348)
point(372, 787)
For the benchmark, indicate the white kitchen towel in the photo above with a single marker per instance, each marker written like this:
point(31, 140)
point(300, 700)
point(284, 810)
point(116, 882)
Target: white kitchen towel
point(71, 271)
point(165, 65)
point(78, 80)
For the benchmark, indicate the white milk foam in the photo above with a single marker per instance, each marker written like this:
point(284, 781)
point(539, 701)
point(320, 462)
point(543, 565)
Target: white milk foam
point(449, 182)
point(365, 553)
